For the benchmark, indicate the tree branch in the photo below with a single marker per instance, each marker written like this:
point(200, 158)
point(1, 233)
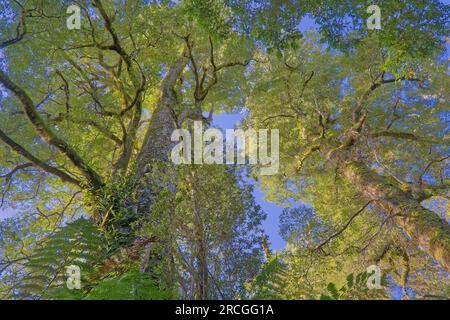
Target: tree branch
point(344, 227)
point(409, 136)
point(16, 168)
point(373, 87)
point(116, 46)
point(48, 134)
point(21, 31)
point(36, 162)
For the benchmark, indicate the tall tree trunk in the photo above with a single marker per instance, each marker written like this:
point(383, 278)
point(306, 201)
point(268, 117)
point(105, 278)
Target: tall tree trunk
point(423, 226)
point(154, 172)
point(157, 144)
point(201, 250)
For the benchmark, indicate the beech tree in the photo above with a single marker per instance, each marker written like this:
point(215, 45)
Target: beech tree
point(88, 114)
point(349, 120)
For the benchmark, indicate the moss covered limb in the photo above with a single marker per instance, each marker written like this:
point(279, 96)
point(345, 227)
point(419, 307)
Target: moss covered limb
point(431, 232)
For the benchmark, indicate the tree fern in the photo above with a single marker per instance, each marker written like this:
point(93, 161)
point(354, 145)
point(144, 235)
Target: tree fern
point(78, 243)
point(133, 285)
point(270, 280)
point(355, 287)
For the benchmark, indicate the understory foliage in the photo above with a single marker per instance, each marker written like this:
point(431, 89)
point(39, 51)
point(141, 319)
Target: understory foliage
point(78, 243)
point(132, 285)
point(215, 224)
point(86, 118)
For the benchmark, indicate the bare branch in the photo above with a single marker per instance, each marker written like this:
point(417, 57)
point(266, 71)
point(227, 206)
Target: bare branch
point(373, 87)
point(15, 169)
point(278, 116)
point(306, 155)
point(428, 166)
point(344, 227)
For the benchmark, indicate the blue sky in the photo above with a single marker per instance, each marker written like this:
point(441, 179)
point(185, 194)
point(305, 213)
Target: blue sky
point(6, 213)
point(271, 224)
point(229, 121)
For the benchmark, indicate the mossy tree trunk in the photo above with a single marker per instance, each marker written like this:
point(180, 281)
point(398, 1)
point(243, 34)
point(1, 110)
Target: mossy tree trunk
point(423, 226)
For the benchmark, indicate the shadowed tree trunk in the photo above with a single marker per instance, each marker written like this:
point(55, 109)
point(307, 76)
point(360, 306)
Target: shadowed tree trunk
point(154, 172)
point(157, 146)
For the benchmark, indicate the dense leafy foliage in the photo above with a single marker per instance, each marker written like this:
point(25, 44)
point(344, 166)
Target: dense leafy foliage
point(85, 138)
point(78, 243)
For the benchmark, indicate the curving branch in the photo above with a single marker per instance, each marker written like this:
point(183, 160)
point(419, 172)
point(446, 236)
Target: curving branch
point(48, 134)
point(21, 28)
point(277, 116)
point(129, 131)
point(103, 130)
point(8, 180)
point(306, 155)
point(21, 31)
point(116, 46)
point(344, 227)
point(205, 77)
point(429, 165)
point(35, 161)
point(409, 136)
point(10, 174)
point(375, 85)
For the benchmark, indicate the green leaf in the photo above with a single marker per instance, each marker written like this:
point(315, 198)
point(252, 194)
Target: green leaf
point(350, 280)
point(333, 290)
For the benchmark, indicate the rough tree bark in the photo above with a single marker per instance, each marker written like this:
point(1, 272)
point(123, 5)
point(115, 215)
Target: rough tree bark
point(157, 145)
point(154, 172)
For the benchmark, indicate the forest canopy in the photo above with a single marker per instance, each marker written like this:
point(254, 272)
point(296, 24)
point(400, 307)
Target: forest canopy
point(91, 93)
